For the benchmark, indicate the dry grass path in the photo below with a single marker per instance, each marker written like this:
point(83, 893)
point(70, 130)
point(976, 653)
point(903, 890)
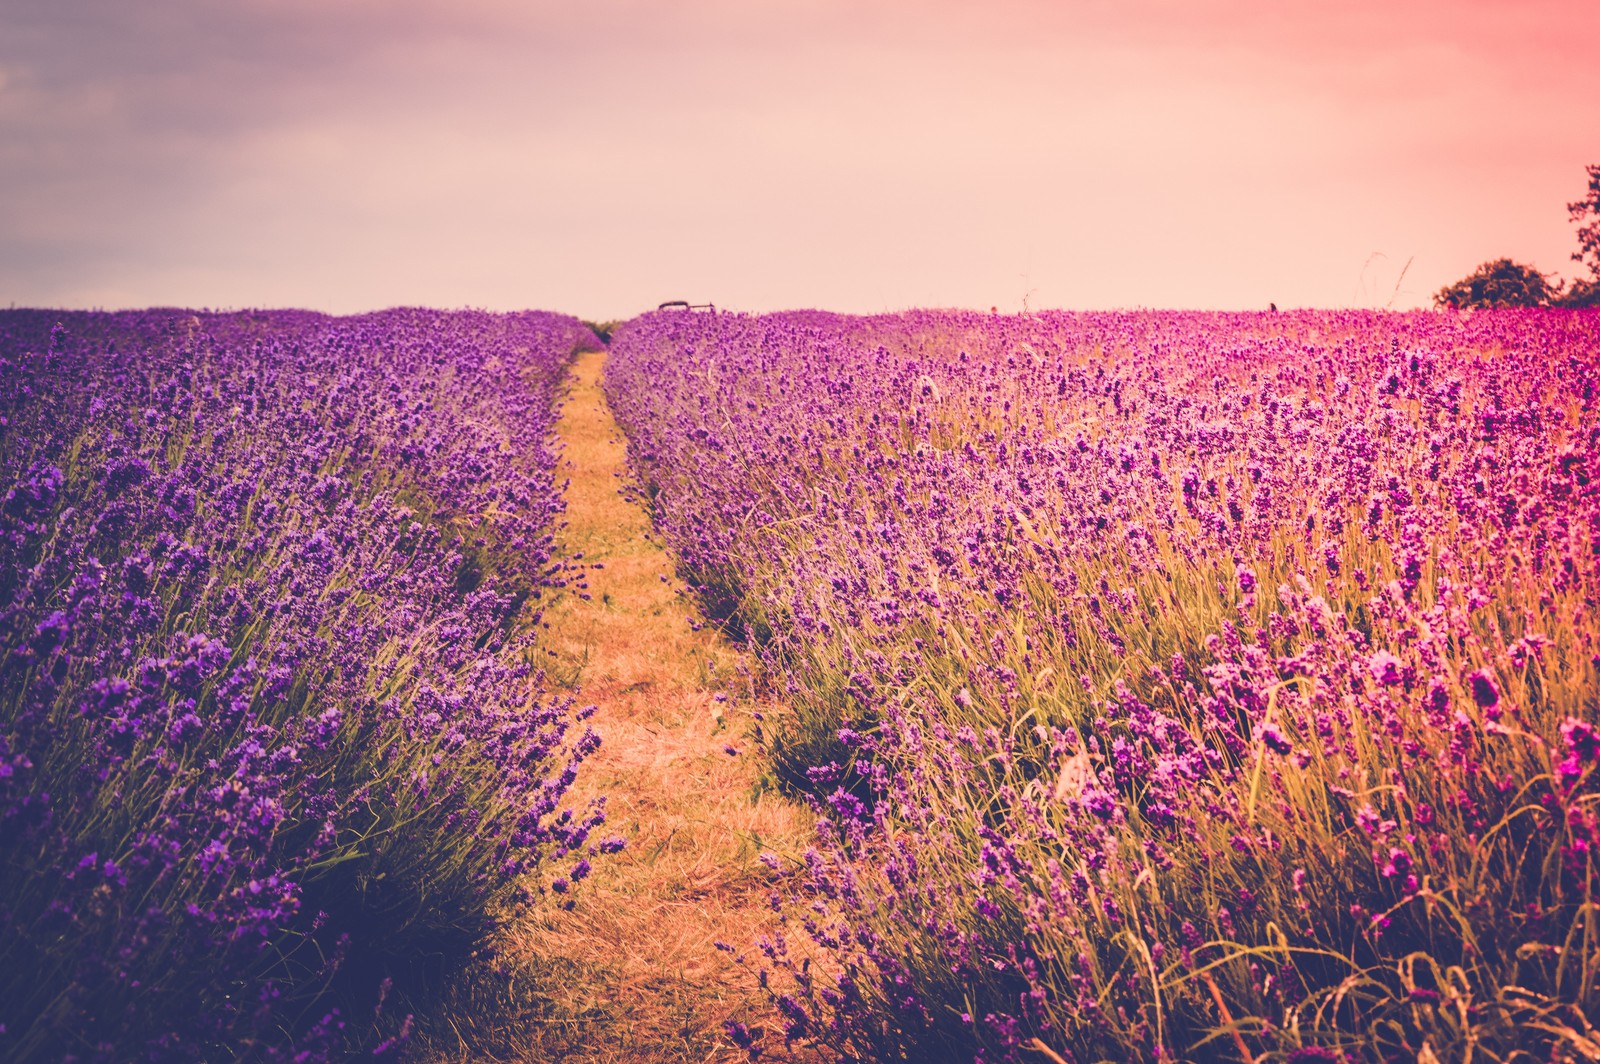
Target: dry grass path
point(632, 973)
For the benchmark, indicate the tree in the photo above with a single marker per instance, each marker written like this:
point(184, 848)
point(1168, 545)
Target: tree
point(1586, 213)
point(1584, 293)
point(1501, 283)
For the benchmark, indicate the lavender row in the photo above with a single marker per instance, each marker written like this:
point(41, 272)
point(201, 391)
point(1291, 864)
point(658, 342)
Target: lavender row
point(1171, 686)
point(272, 743)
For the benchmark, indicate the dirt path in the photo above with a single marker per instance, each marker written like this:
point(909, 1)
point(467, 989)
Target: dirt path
point(632, 974)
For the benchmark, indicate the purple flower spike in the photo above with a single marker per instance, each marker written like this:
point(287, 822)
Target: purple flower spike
point(1385, 668)
point(1484, 691)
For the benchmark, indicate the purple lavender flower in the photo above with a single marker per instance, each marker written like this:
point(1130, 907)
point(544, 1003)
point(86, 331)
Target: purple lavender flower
point(1385, 668)
point(1484, 691)
point(1582, 741)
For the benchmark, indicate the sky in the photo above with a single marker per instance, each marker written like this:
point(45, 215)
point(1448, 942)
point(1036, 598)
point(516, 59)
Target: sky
point(602, 156)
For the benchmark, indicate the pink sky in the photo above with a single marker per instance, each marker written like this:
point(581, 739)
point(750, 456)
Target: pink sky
point(601, 156)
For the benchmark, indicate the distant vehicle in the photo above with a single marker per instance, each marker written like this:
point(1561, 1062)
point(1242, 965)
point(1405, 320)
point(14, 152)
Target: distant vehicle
point(684, 304)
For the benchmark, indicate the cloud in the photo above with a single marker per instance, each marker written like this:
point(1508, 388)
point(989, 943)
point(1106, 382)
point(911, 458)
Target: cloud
point(857, 155)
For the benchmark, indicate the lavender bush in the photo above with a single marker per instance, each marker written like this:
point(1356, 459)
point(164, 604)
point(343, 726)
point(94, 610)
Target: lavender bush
point(1171, 686)
point(272, 739)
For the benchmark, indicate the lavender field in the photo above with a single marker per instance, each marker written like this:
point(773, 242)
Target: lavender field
point(1163, 686)
point(273, 746)
point(680, 675)
point(1170, 686)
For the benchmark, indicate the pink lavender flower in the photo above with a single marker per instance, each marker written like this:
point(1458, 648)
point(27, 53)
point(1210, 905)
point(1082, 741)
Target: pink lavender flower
point(1274, 740)
point(1582, 741)
point(1385, 668)
point(1397, 863)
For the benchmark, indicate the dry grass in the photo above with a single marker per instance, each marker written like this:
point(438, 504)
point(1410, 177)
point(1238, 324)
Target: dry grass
point(632, 973)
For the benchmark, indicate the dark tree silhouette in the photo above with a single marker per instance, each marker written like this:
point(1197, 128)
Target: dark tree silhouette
point(1584, 293)
point(1586, 213)
point(1501, 283)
